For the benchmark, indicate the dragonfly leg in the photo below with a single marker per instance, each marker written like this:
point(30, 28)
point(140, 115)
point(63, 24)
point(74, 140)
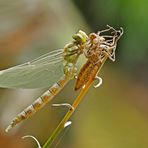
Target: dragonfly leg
point(105, 30)
point(105, 51)
point(111, 55)
point(64, 104)
point(99, 82)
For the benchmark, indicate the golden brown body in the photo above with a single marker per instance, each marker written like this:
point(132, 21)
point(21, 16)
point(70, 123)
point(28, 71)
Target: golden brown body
point(87, 72)
point(90, 68)
point(97, 48)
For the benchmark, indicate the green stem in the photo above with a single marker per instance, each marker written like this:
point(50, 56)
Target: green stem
point(77, 101)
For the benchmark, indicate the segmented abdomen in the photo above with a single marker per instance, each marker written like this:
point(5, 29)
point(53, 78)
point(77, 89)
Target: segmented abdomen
point(39, 103)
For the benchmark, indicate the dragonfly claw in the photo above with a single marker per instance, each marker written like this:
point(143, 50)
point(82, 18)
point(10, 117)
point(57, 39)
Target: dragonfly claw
point(64, 104)
point(99, 83)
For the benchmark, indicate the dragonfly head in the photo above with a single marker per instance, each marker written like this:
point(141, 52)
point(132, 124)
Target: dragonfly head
point(80, 37)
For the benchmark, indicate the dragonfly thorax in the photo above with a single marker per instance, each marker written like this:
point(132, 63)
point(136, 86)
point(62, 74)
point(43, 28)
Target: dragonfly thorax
point(72, 51)
point(70, 70)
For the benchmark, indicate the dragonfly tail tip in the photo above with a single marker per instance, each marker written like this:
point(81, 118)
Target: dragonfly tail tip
point(8, 128)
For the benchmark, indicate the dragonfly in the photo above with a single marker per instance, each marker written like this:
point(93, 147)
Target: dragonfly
point(97, 50)
point(53, 69)
point(58, 67)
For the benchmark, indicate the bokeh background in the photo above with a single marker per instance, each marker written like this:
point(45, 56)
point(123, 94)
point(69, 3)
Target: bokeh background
point(112, 116)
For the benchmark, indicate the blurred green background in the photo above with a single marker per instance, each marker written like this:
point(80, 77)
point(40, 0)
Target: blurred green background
point(112, 116)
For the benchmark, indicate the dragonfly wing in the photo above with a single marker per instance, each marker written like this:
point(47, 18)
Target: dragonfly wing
point(38, 73)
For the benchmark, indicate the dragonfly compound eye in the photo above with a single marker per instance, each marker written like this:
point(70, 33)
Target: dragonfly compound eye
point(80, 36)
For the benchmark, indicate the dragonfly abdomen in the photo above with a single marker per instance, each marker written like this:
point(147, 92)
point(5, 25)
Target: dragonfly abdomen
point(87, 72)
point(39, 103)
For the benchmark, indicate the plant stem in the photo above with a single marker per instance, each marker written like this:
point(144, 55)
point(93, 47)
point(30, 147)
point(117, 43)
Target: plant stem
point(77, 101)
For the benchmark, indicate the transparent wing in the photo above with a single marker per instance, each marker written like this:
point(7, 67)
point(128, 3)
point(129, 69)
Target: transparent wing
point(41, 72)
